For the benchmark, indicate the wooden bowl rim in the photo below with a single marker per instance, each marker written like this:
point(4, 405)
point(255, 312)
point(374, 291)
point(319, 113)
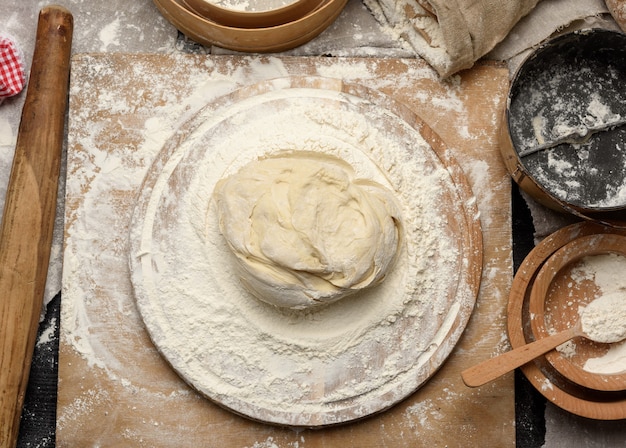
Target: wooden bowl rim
point(261, 40)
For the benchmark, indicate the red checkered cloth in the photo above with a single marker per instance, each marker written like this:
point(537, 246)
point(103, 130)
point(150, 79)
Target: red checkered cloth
point(12, 76)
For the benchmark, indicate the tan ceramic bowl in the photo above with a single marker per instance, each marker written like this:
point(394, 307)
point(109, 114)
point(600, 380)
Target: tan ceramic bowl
point(252, 19)
point(254, 40)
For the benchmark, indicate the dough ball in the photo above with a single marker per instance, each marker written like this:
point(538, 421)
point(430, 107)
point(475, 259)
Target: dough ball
point(304, 231)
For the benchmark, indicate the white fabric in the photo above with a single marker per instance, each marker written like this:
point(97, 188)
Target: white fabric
point(451, 34)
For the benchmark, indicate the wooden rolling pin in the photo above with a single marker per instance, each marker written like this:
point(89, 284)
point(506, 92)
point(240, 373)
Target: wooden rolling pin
point(29, 211)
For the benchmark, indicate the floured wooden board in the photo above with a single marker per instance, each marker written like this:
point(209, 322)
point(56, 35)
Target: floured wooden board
point(114, 387)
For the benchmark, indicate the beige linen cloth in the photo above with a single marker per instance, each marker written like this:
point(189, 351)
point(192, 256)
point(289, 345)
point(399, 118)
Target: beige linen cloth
point(450, 34)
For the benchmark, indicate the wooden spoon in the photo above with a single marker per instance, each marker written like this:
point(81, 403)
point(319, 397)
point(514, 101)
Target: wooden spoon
point(495, 367)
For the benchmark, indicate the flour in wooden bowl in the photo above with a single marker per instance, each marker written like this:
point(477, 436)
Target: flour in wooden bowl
point(607, 322)
point(252, 5)
point(605, 273)
point(604, 319)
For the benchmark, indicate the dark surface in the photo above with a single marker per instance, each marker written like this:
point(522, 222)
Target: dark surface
point(37, 428)
point(38, 419)
point(530, 425)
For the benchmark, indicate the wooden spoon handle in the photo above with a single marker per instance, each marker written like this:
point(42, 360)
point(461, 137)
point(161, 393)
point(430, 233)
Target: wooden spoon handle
point(497, 366)
point(29, 211)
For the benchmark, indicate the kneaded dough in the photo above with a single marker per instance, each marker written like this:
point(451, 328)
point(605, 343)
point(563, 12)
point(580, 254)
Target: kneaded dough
point(304, 231)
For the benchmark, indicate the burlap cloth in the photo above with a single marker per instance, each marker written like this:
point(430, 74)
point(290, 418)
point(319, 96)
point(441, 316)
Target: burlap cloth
point(450, 34)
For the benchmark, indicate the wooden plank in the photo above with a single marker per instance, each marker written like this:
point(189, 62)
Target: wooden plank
point(114, 387)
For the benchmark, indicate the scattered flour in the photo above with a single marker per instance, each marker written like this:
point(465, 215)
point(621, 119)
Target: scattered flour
point(567, 349)
point(422, 413)
point(547, 385)
point(47, 335)
point(109, 34)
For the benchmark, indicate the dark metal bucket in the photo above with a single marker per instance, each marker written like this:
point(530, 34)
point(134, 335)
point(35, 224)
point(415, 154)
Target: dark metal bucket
point(564, 142)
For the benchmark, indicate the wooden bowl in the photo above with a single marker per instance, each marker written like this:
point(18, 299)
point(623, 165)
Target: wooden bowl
point(558, 390)
point(558, 293)
point(256, 40)
point(263, 18)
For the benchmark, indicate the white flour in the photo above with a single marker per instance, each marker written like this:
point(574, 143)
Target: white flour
point(613, 362)
point(606, 271)
point(252, 5)
point(604, 319)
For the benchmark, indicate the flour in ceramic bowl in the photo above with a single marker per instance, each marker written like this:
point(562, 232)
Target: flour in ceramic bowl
point(359, 354)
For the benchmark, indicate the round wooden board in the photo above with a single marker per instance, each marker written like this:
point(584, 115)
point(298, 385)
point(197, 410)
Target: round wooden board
point(582, 401)
point(399, 333)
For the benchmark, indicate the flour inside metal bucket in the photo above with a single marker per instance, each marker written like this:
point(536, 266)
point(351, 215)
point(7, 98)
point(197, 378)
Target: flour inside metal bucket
point(567, 119)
